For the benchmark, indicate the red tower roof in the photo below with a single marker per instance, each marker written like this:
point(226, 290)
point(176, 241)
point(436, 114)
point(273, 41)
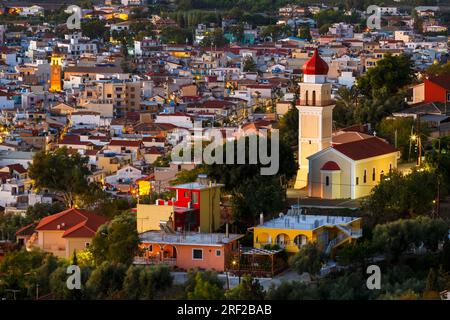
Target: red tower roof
point(316, 65)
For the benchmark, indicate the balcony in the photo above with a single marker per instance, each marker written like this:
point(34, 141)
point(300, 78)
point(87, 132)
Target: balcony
point(154, 261)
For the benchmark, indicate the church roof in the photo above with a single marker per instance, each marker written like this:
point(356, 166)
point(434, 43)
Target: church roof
point(363, 149)
point(315, 65)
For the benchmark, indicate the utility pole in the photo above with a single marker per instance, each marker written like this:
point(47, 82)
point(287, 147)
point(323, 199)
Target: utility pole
point(419, 142)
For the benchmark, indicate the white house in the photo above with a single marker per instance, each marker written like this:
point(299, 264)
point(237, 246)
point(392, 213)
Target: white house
point(125, 175)
point(178, 119)
point(5, 102)
point(85, 119)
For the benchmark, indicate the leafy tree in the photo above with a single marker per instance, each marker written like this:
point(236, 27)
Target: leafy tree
point(249, 65)
point(438, 69)
point(187, 176)
point(401, 196)
point(245, 182)
point(355, 254)
point(10, 223)
point(162, 161)
point(238, 32)
point(432, 287)
point(293, 290)
point(400, 129)
point(60, 172)
point(248, 289)
point(58, 285)
point(350, 286)
point(117, 241)
point(106, 281)
point(288, 127)
point(304, 32)
point(144, 283)
point(308, 259)
point(275, 32)
point(18, 271)
point(346, 104)
point(94, 29)
point(216, 38)
point(86, 258)
point(387, 77)
point(40, 210)
point(396, 237)
point(205, 288)
point(254, 196)
point(176, 35)
point(324, 28)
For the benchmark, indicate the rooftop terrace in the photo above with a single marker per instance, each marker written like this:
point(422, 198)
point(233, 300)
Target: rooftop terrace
point(193, 238)
point(294, 219)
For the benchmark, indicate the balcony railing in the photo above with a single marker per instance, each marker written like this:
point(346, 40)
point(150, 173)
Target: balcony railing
point(155, 261)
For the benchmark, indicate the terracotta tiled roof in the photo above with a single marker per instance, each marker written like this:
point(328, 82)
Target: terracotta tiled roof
point(17, 167)
point(74, 223)
point(363, 149)
point(28, 230)
point(126, 143)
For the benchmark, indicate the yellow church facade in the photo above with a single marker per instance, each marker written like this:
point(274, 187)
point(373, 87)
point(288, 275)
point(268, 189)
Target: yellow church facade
point(350, 170)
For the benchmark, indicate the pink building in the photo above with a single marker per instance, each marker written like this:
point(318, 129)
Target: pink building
point(189, 250)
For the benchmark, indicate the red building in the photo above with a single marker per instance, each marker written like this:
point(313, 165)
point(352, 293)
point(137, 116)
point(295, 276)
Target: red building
point(436, 89)
point(196, 206)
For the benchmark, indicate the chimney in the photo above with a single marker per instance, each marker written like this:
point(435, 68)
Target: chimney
point(203, 179)
point(261, 218)
point(226, 231)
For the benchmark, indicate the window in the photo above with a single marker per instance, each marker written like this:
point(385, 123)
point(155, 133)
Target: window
point(195, 197)
point(327, 180)
point(314, 98)
point(381, 175)
point(373, 174)
point(218, 253)
point(365, 176)
point(390, 167)
point(357, 180)
point(86, 244)
point(448, 96)
point(197, 254)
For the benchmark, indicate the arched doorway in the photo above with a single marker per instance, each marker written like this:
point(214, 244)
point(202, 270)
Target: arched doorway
point(282, 240)
point(300, 240)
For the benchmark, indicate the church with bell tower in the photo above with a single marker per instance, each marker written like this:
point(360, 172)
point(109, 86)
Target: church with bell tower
point(315, 115)
point(56, 71)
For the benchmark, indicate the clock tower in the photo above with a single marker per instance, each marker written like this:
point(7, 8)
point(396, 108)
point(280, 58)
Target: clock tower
point(55, 71)
point(315, 115)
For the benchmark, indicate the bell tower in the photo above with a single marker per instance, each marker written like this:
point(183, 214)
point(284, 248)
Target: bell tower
point(315, 115)
point(55, 71)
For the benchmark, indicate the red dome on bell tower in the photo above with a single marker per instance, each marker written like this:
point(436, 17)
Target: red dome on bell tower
point(315, 65)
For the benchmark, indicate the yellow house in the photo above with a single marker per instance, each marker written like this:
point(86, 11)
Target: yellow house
point(351, 169)
point(196, 207)
point(63, 233)
point(294, 230)
point(150, 216)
